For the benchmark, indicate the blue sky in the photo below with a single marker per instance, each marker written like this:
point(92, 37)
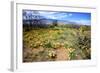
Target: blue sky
point(77, 17)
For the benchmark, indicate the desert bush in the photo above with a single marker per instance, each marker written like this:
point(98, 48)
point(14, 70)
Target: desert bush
point(84, 28)
point(78, 40)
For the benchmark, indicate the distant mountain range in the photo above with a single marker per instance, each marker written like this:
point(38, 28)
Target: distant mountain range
point(62, 22)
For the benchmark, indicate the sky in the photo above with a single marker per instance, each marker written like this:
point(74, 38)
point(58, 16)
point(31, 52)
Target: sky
point(77, 17)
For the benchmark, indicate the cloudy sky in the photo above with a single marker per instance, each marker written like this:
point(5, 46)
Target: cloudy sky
point(77, 17)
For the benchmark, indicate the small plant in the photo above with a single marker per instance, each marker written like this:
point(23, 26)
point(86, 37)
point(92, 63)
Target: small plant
point(72, 56)
point(48, 45)
point(52, 54)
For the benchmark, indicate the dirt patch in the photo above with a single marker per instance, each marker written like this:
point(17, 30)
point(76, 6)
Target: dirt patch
point(47, 54)
point(62, 54)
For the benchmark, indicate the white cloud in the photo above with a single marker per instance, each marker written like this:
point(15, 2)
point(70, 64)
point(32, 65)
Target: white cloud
point(70, 14)
point(46, 13)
